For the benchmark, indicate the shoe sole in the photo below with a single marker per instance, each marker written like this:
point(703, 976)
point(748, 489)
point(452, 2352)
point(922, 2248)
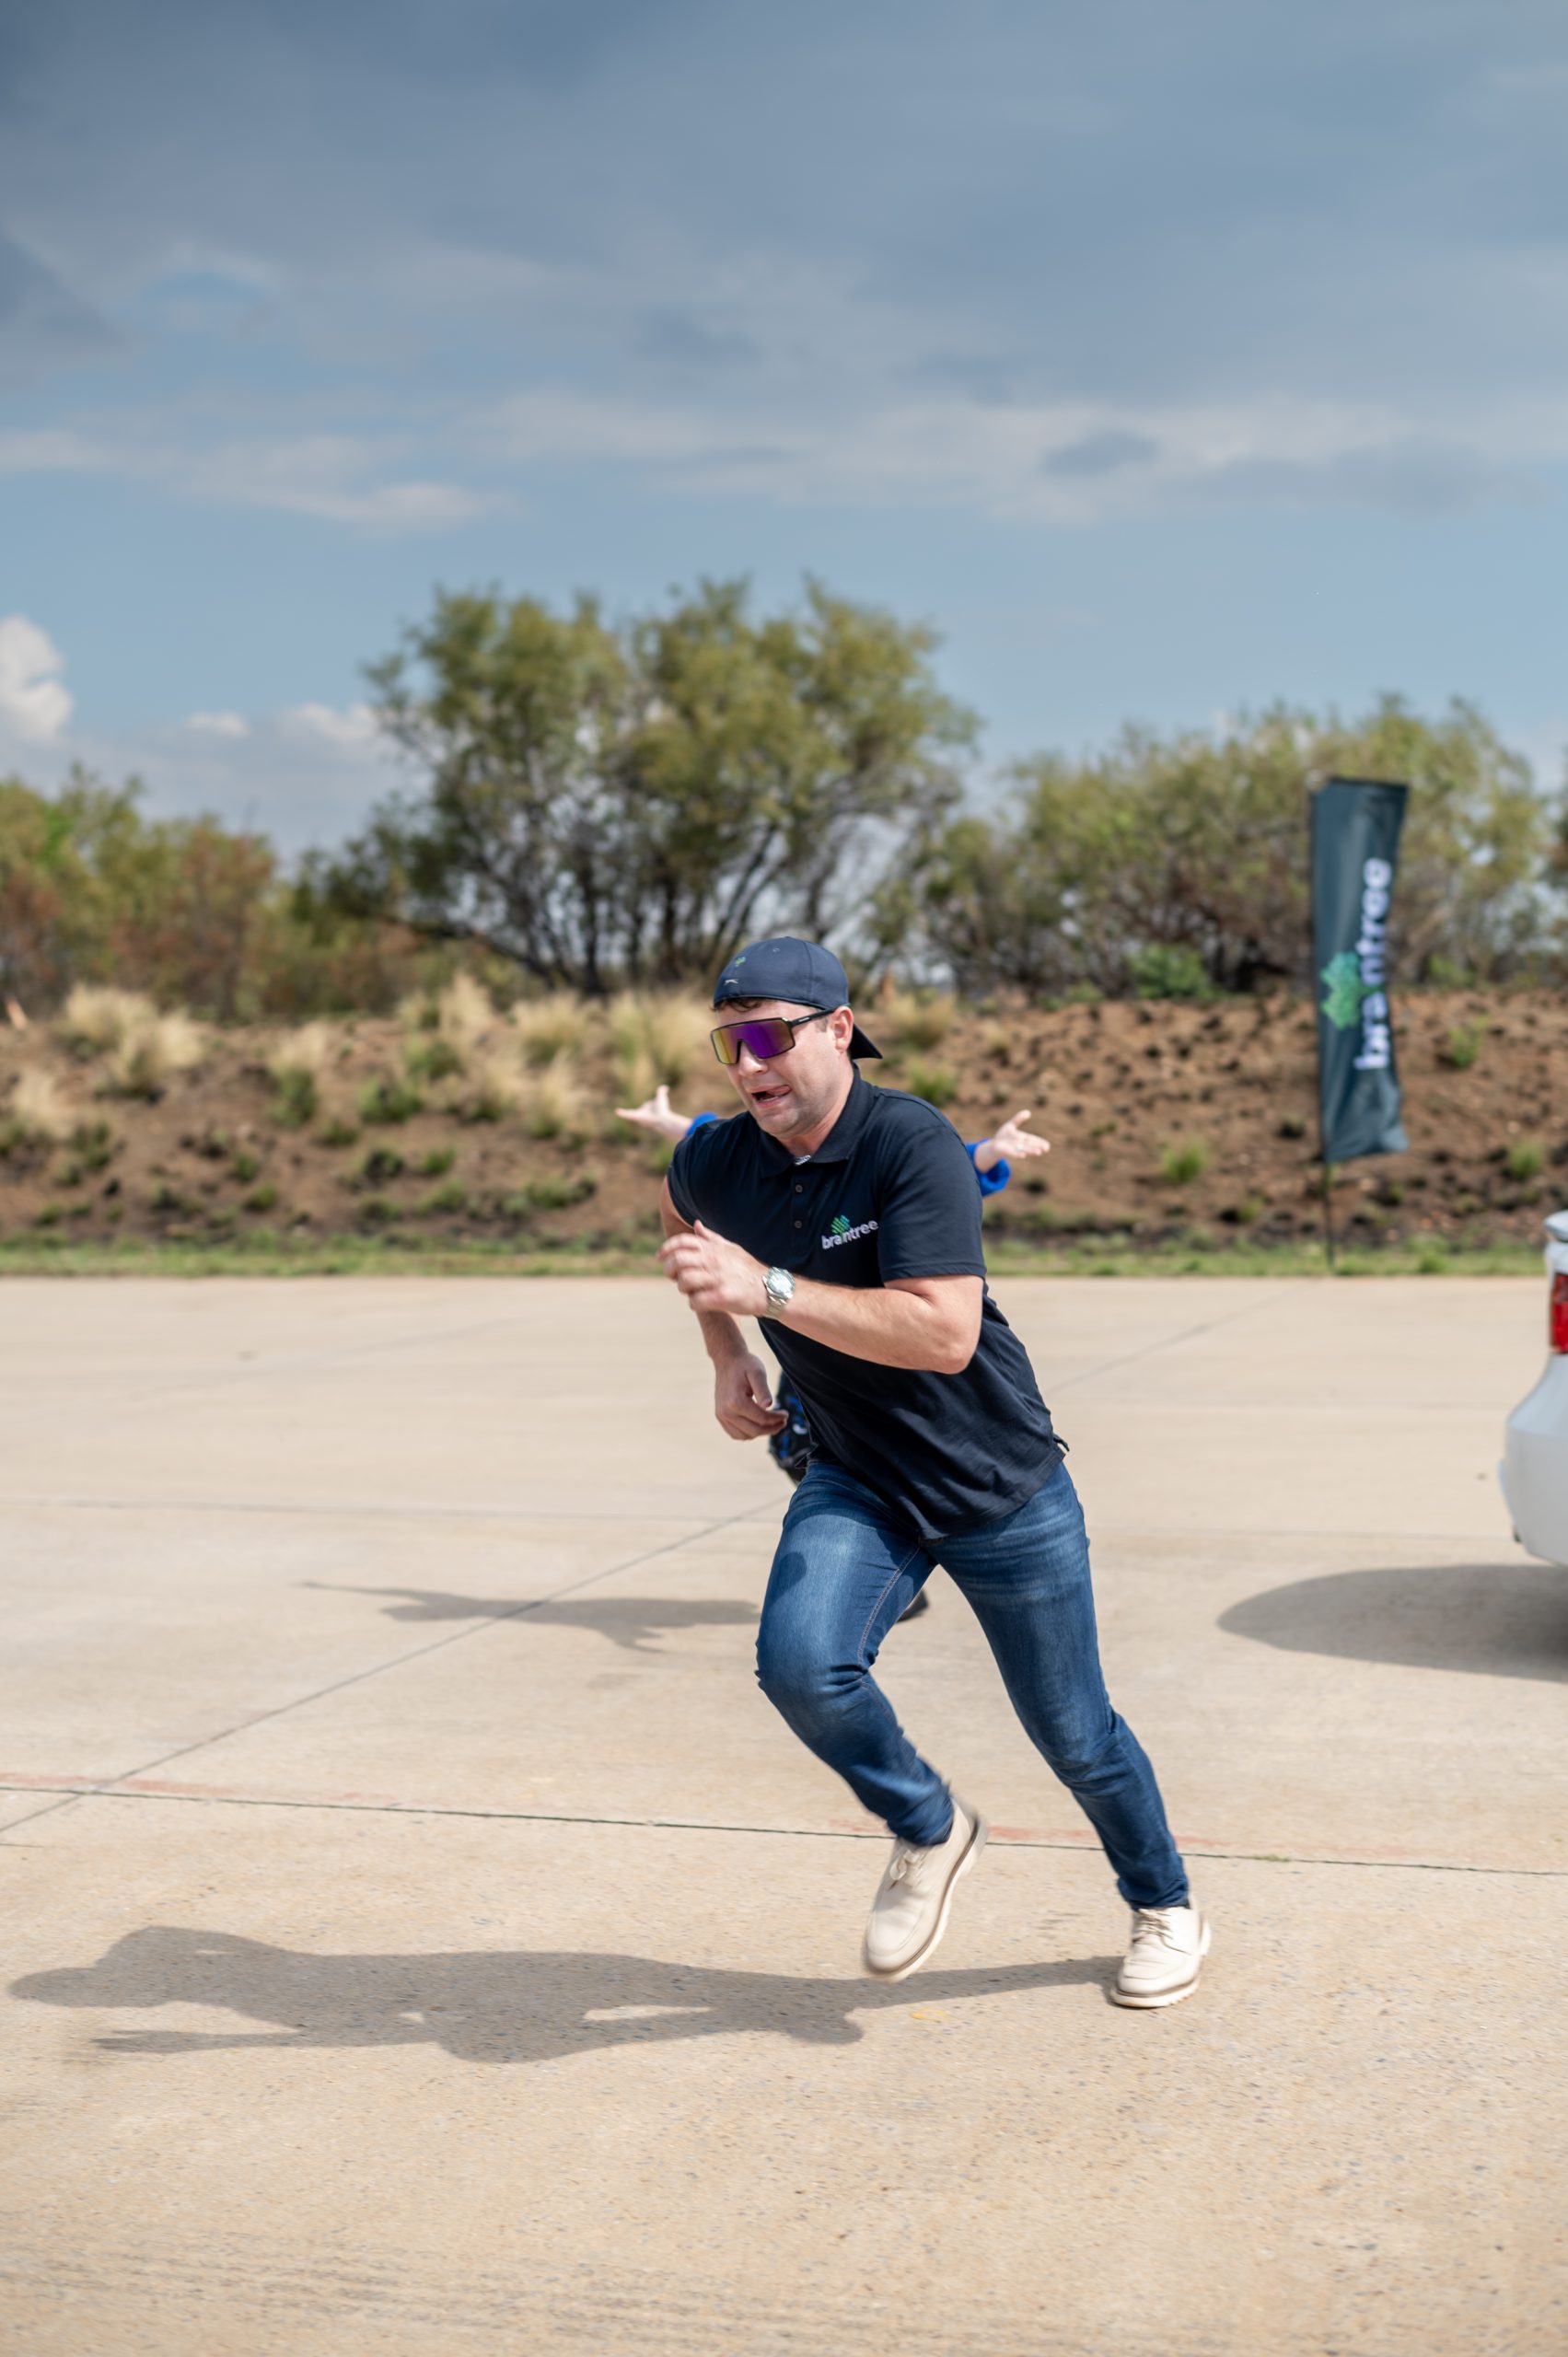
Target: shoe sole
point(1165, 1996)
point(977, 1841)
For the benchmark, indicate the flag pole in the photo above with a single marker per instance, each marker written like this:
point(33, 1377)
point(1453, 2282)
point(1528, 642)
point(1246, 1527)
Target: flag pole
point(1324, 1187)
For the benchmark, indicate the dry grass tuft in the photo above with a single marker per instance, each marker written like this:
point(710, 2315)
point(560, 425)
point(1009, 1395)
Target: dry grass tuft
point(308, 1049)
point(554, 1105)
point(464, 1014)
point(916, 1018)
point(39, 1111)
point(654, 1036)
point(296, 1065)
point(98, 1018)
point(549, 1028)
point(152, 1050)
point(497, 1087)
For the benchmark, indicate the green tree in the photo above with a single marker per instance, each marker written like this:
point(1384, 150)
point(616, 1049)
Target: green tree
point(1199, 844)
point(605, 804)
point(184, 908)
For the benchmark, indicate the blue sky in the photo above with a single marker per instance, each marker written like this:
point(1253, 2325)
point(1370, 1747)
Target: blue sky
point(1169, 356)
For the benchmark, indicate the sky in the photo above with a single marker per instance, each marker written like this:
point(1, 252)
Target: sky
point(1169, 357)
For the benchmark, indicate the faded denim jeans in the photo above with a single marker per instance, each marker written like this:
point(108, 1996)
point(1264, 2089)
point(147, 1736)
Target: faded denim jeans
point(844, 1572)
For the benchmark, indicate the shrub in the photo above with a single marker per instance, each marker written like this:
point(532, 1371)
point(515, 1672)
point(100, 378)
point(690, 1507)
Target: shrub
point(262, 1197)
point(388, 1099)
point(92, 1148)
point(1526, 1159)
point(432, 1059)
point(1292, 1126)
point(339, 1130)
point(550, 1026)
point(1463, 1043)
point(376, 1211)
point(299, 1099)
point(451, 1198)
point(939, 1084)
point(382, 1162)
point(1170, 969)
point(151, 1051)
point(549, 1195)
point(38, 1114)
point(296, 1065)
point(438, 1162)
point(245, 1167)
point(1182, 1161)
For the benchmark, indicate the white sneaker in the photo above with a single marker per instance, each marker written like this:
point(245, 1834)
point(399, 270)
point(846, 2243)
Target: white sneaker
point(909, 1913)
point(1167, 1953)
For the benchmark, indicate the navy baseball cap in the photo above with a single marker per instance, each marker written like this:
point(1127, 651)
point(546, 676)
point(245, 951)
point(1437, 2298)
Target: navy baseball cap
point(800, 973)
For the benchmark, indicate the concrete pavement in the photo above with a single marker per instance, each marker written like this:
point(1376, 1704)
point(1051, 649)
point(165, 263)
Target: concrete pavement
point(423, 1937)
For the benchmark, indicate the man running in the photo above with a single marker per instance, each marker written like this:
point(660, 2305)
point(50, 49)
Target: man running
point(847, 1219)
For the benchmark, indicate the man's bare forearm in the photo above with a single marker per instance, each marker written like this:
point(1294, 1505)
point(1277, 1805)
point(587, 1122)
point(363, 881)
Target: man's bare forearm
point(930, 1325)
point(888, 1326)
point(721, 1338)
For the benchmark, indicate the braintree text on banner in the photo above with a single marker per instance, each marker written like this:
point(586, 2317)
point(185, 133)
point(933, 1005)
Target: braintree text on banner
point(1356, 845)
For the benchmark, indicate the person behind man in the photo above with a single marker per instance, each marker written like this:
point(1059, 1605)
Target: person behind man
point(846, 1218)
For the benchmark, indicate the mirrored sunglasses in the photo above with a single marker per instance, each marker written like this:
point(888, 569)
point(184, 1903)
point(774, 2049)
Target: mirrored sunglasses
point(768, 1035)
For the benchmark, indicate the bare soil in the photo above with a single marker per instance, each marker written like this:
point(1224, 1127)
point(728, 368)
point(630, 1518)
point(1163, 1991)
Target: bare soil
point(1120, 1090)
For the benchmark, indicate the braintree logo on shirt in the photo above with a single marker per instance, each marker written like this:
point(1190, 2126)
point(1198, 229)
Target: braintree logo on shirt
point(841, 1232)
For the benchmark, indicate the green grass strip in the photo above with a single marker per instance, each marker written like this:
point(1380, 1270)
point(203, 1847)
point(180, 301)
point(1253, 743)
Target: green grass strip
point(356, 1255)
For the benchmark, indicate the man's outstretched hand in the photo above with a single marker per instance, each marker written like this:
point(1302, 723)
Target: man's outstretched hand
point(714, 1274)
point(1013, 1142)
point(656, 1113)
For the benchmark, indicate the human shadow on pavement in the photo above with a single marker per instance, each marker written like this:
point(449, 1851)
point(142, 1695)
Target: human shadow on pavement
point(507, 2005)
point(1500, 1619)
point(629, 1621)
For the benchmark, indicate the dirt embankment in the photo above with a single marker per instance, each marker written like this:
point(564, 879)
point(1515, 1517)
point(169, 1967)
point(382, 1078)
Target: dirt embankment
point(1165, 1122)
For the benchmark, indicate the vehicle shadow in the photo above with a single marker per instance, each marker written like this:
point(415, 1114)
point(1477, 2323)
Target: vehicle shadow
point(517, 2005)
point(1502, 1620)
point(629, 1621)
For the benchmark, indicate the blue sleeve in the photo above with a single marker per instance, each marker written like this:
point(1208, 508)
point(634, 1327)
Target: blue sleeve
point(697, 1121)
point(991, 1181)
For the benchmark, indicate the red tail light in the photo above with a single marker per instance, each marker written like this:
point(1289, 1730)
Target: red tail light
point(1557, 1316)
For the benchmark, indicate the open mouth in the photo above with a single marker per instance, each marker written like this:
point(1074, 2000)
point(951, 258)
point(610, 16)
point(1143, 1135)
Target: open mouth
point(768, 1096)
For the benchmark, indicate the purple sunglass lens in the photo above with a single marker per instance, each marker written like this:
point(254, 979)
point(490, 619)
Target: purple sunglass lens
point(771, 1036)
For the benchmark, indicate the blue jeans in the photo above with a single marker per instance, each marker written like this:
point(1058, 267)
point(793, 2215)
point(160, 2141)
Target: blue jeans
point(844, 1572)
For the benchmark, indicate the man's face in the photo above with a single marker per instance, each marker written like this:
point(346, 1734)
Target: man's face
point(794, 1092)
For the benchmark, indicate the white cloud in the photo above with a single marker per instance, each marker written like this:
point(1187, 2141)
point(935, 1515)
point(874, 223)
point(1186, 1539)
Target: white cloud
point(218, 724)
point(350, 729)
point(341, 478)
point(34, 704)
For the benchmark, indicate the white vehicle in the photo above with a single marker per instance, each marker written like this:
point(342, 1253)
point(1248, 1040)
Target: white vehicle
point(1534, 1472)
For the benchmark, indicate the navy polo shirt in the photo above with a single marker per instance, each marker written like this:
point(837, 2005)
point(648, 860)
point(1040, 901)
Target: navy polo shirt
point(891, 1193)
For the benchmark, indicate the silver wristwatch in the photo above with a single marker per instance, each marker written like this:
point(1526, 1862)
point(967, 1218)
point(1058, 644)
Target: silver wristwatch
point(779, 1286)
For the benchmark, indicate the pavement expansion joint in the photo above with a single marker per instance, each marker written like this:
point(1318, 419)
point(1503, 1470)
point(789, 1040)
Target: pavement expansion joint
point(415, 1652)
point(135, 1786)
